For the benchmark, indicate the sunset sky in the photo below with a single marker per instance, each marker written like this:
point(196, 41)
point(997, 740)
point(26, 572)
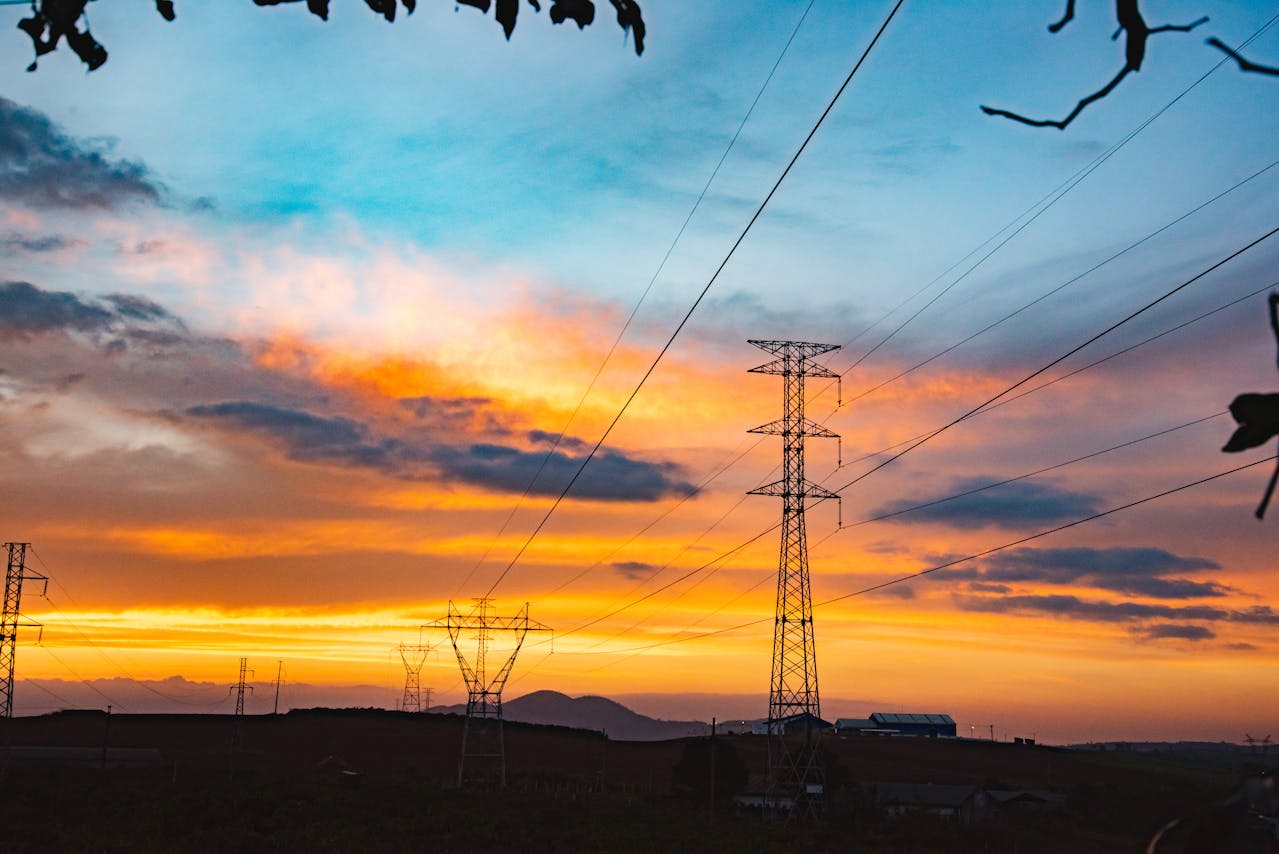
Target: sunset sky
point(291, 312)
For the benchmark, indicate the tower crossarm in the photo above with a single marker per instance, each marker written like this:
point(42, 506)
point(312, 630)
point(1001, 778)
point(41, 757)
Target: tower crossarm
point(804, 427)
point(782, 489)
point(806, 349)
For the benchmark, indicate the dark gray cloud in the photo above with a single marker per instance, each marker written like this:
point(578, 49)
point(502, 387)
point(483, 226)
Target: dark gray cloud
point(15, 243)
point(1141, 571)
point(987, 587)
point(1242, 647)
point(634, 569)
point(43, 167)
point(572, 443)
point(610, 476)
point(27, 311)
point(895, 591)
point(306, 437)
point(1013, 505)
point(1075, 608)
point(1178, 631)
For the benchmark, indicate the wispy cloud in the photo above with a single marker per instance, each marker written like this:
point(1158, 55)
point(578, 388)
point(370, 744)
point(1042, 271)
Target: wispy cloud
point(38, 245)
point(1178, 631)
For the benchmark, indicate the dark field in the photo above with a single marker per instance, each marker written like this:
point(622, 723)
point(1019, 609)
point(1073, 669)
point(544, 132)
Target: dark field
point(382, 781)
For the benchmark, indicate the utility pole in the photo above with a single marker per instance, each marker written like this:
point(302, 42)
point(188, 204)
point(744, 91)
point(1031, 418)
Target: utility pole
point(484, 694)
point(11, 618)
point(712, 798)
point(992, 732)
point(414, 657)
point(279, 671)
point(796, 780)
point(106, 735)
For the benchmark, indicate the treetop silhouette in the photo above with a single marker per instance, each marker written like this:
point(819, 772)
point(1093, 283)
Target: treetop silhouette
point(53, 21)
point(1258, 417)
point(1137, 33)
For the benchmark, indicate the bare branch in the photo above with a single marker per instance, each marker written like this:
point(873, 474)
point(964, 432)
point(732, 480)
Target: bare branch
point(1065, 19)
point(1079, 108)
point(1131, 23)
point(1244, 65)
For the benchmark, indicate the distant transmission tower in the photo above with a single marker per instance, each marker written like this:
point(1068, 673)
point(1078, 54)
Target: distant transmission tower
point(795, 776)
point(414, 657)
point(241, 686)
point(11, 618)
point(485, 747)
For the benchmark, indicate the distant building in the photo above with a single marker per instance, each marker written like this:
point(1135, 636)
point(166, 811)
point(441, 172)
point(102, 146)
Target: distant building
point(962, 803)
point(794, 723)
point(934, 726)
point(861, 726)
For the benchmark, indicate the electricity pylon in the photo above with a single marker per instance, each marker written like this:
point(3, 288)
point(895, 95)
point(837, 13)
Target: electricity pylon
point(484, 694)
point(795, 776)
point(241, 686)
point(414, 657)
point(11, 618)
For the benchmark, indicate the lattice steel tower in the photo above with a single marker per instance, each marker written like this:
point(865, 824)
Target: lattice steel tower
point(414, 657)
point(795, 776)
point(11, 618)
point(241, 686)
point(485, 747)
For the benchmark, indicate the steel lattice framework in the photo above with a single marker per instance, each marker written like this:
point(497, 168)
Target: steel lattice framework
point(414, 657)
point(796, 778)
point(241, 686)
point(484, 694)
point(11, 618)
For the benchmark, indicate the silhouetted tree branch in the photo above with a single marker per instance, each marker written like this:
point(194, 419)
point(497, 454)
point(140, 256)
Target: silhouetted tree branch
point(1258, 417)
point(1244, 65)
point(52, 21)
point(1130, 22)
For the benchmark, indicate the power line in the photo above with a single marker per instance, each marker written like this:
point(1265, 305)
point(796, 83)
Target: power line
point(1028, 475)
point(1079, 370)
point(1058, 288)
point(1047, 532)
point(946, 565)
point(1071, 184)
point(903, 511)
point(735, 549)
point(88, 640)
point(643, 296)
point(81, 679)
point(688, 315)
point(1216, 265)
point(1068, 184)
point(1050, 199)
point(55, 695)
point(669, 510)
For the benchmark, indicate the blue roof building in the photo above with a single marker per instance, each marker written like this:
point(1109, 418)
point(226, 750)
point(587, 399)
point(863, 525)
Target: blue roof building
point(935, 726)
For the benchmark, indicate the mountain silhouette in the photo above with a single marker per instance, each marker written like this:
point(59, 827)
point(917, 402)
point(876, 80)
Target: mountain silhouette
point(590, 712)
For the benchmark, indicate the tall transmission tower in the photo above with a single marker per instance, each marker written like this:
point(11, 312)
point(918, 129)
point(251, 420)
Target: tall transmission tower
point(795, 776)
point(486, 747)
point(11, 618)
point(414, 657)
